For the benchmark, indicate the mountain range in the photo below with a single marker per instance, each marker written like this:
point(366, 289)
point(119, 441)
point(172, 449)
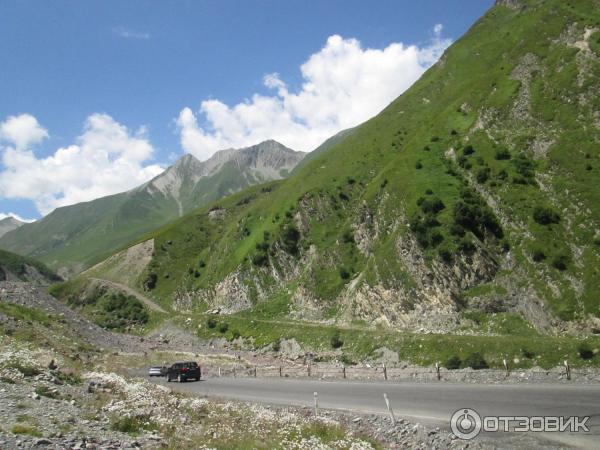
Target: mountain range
point(73, 237)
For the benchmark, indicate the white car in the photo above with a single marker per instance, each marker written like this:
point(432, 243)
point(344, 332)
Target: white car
point(156, 371)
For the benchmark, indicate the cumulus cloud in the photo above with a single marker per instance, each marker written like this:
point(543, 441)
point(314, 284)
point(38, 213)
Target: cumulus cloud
point(22, 131)
point(105, 159)
point(123, 32)
point(344, 84)
point(15, 216)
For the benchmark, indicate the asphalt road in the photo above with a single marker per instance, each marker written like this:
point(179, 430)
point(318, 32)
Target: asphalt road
point(428, 403)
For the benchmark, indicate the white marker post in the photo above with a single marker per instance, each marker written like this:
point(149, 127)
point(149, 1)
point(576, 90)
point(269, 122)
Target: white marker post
point(389, 408)
point(316, 404)
point(437, 370)
point(505, 365)
point(568, 369)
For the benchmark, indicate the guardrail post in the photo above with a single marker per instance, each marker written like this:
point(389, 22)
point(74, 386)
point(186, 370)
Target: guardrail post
point(316, 395)
point(344, 371)
point(280, 371)
point(568, 369)
point(437, 371)
point(384, 372)
point(505, 366)
point(219, 372)
point(389, 408)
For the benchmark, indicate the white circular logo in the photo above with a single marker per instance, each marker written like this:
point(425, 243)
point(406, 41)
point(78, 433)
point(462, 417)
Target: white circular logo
point(465, 423)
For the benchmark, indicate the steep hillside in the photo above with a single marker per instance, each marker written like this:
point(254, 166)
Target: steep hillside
point(8, 224)
point(19, 268)
point(473, 195)
point(71, 238)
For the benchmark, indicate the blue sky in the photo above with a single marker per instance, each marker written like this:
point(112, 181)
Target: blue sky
point(140, 70)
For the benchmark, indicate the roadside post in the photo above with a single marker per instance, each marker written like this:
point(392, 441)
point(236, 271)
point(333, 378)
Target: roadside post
point(254, 371)
point(384, 372)
point(316, 395)
point(280, 371)
point(219, 371)
point(234, 371)
point(505, 366)
point(344, 371)
point(389, 408)
point(568, 369)
point(437, 370)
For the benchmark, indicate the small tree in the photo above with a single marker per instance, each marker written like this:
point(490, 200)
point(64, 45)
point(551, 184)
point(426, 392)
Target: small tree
point(545, 216)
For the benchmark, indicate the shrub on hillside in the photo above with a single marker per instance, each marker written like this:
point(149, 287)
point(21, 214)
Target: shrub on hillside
point(211, 323)
point(336, 340)
point(475, 361)
point(502, 154)
point(150, 281)
point(473, 214)
point(545, 216)
point(223, 327)
point(538, 255)
point(468, 150)
point(453, 363)
point(585, 351)
point(560, 262)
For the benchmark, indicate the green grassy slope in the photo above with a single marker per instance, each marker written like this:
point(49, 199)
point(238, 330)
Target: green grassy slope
point(475, 192)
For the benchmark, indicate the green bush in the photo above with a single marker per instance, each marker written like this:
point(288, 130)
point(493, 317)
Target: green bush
point(223, 327)
point(502, 154)
point(483, 175)
point(473, 214)
point(336, 340)
point(344, 274)
point(475, 361)
point(560, 262)
point(290, 239)
point(468, 150)
point(418, 165)
point(211, 323)
point(150, 281)
point(119, 311)
point(545, 216)
point(538, 255)
point(585, 351)
point(453, 363)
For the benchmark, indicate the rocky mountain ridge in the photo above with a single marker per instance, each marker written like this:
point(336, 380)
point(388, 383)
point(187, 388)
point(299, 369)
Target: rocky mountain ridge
point(8, 224)
point(73, 237)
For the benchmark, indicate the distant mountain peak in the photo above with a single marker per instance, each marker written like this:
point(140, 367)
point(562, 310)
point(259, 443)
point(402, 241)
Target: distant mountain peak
point(8, 224)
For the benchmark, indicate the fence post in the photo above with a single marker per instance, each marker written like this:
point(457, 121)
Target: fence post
point(384, 372)
point(505, 366)
point(344, 371)
point(316, 395)
point(389, 408)
point(437, 370)
point(568, 369)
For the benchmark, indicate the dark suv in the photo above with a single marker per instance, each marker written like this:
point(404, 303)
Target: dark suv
point(184, 371)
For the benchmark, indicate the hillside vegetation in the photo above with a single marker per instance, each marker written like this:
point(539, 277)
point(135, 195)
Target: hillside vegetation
point(472, 195)
point(19, 268)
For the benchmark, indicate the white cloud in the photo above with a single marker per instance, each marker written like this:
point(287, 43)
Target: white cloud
point(106, 159)
point(344, 85)
point(15, 216)
point(22, 131)
point(123, 32)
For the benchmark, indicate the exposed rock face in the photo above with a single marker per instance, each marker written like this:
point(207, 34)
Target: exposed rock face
point(512, 4)
point(9, 224)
